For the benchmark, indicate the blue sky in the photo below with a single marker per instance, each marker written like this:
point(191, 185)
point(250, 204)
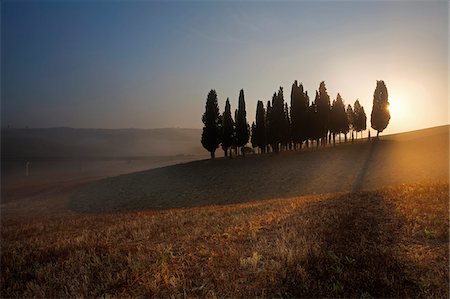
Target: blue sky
point(151, 64)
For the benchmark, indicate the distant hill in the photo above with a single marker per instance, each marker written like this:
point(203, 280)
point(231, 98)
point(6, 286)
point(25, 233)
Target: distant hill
point(98, 143)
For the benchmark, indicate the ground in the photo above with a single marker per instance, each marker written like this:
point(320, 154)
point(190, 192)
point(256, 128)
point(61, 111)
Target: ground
point(358, 220)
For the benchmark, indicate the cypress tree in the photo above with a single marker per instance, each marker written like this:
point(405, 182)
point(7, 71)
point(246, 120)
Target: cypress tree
point(363, 119)
point(269, 130)
point(211, 120)
point(287, 132)
point(360, 118)
point(261, 134)
point(342, 120)
point(227, 128)
point(334, 121)
point(350, 118)
point(253, 136)
point(242, 127)
point(357, 112)
point(234, 145)
point(323, 111)
point(277, 120)
point(314, 121)
point(298, 115)
point(304, 123)
point(380, 115)
point(296, 97)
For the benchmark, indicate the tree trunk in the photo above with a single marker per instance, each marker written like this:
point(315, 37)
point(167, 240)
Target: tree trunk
point(378, 133)
point(226, 152)
point(213, 154)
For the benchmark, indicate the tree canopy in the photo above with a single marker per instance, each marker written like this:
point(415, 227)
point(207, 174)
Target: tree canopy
point(228, 130)
point(360, 119)
point(380, 115)
point(242, 127)
point(212, 126)
point(260, 127)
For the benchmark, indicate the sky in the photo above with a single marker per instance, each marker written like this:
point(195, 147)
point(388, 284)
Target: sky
point(145, 64)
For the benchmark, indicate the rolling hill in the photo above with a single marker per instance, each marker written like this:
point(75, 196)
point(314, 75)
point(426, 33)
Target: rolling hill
point(256, 235)
point(411, 157)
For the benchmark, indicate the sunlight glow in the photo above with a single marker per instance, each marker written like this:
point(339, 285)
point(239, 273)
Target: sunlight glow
point(395, 108)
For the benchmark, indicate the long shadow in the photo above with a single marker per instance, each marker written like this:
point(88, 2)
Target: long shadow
point(348, 250)
point(259, 177)
point(362, 174)
point(223, 181)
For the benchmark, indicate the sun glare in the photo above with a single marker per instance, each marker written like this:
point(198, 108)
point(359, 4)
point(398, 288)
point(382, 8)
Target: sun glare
point(394, 108)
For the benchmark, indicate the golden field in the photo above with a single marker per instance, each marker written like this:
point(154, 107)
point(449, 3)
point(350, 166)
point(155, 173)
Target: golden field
point(371, 239)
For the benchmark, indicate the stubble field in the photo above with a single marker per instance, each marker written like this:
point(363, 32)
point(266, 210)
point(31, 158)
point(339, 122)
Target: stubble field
point(383, 232)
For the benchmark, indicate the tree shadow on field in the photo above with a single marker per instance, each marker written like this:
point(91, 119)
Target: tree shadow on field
point(227, 181)
point(362, 174)
point(348, 250)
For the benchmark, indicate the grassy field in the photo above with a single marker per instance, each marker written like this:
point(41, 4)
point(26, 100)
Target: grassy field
point(359, 220)
point(404, 158)
point(391, 242)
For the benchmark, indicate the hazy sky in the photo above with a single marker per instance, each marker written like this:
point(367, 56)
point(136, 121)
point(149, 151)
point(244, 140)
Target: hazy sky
point(151, 64)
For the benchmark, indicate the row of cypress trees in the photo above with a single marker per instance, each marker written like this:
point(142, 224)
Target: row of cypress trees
point(278, 127)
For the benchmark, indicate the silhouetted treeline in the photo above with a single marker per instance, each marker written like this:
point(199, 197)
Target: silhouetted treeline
point(279, 127)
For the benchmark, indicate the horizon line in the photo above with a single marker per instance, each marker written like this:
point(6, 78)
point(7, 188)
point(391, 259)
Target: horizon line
point(174, 128)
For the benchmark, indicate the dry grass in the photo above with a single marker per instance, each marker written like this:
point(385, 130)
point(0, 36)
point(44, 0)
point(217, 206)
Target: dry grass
point(390, 242)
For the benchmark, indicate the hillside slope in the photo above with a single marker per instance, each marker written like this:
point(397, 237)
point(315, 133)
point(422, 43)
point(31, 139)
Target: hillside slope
point(420, 157)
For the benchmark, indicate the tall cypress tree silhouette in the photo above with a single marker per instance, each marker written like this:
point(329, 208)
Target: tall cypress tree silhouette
point(296, 97)
point(261, 135)
point(350, 118)
point(242, 127)
point(211, 120)
point(315, 121)
point(299, 108)
point(304, 122)
point(323, 111)
point(333, 123)
point(234, 146)
point(287, 132)
point(360, 118)
point(253, 136)
point(277, 122)
point(380, 115)
point(228, 132)
point(269, 129)
point(342, 120)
